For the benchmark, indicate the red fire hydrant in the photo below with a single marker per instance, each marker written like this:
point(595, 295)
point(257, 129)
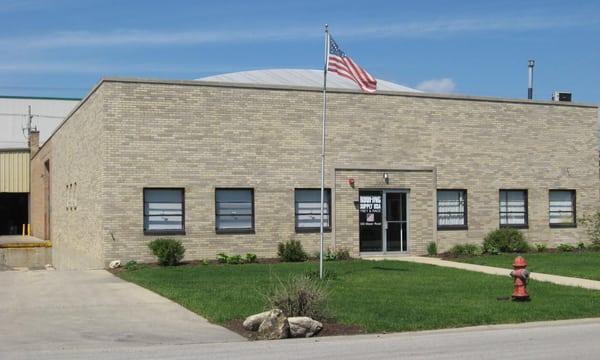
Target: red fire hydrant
point(520, 275)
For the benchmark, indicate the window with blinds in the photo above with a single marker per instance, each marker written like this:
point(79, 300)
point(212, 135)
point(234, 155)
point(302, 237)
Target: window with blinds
point(308, 209)
point(234, 210)
point(452, 209)
point(513, 208)
point(562, 208)
point(163, 211)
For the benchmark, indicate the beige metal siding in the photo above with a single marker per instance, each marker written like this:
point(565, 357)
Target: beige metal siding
point(14, 171)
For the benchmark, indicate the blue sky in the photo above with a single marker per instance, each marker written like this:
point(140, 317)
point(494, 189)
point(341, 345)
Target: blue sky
point(63, 47)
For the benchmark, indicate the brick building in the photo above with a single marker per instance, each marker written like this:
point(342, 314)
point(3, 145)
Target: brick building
point(228, 165)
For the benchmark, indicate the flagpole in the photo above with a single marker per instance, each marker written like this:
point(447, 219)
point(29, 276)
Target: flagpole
point(323, 148)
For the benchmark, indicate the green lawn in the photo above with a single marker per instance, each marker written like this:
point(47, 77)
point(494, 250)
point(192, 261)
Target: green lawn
point(578, 264)
point(378, 296)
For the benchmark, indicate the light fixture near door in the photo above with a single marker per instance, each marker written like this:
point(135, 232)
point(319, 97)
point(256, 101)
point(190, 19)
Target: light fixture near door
point(386, 178)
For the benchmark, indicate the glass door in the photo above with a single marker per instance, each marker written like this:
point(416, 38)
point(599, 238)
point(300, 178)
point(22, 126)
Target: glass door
point(395, 224)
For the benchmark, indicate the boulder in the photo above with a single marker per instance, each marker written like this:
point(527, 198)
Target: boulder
point(275, 326)
point(252, 322)
point(114, 264)
point(303, 326)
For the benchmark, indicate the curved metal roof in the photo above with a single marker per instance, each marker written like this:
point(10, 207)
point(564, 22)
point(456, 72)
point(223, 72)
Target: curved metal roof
point(299, 77)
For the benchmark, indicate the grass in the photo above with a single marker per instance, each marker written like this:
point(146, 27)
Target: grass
point(577, 264)
point(378, 296)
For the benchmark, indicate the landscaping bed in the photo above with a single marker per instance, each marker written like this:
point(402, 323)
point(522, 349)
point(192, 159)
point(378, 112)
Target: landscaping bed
point(581, 264)
point(369, 296)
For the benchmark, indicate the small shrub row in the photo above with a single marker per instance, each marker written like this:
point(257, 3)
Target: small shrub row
point(339, 254)
point(465, 250)
point(223, 258)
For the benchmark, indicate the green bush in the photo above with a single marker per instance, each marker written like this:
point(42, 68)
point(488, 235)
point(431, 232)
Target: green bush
point(432, 249)
point(251, 258)
point(541, 247)
point(580, 246)
point(205, 262)
point(329, 255)
point(299, 296)
point(465, 250)
point(168, 251)
point(131, 265)
point(565, 247)
point(343, 254)
point(507, 240)
point(222, 258)
point(235, 260)
point(291, 251)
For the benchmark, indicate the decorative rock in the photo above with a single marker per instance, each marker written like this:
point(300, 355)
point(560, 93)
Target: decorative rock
point(303, 326)
point(49, 267)
point(252, 322)
point(274, 327)
point(114, 264)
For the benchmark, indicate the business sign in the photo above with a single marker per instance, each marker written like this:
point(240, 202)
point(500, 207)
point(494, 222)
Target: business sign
point(370, 220)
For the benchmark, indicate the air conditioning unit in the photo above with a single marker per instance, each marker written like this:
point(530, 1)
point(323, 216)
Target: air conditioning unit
point(561, 96)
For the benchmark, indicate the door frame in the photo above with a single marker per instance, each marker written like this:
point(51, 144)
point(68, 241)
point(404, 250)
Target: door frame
point(384, 221)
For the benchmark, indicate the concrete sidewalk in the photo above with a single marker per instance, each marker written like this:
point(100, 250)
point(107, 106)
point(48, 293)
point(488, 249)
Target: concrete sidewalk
point(61, 310)
point(555, 279)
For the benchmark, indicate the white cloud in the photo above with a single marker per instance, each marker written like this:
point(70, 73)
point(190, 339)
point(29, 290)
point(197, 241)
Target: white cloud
point(441, 86)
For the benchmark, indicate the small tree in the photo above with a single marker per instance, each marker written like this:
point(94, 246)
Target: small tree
point(592, 227)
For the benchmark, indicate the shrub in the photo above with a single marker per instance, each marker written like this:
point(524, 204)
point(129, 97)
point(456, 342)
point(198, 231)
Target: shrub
point(565, 247)
point(131, 265)
point(592, 227)
point(329, 255)
point(465, 250)
point(505, 240)
point(250, 258)
point(222, 258)
point(580, 246)
point(291, 251)
point(299, 296)
point(541, 247)
point(205, 262)
point(432, 249)
point(235, 260)
point(594, 247)
point(343, 254)
point(168, 251)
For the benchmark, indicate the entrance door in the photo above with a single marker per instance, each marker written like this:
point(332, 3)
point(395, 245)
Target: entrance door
point(383, 221)
point(395, 221)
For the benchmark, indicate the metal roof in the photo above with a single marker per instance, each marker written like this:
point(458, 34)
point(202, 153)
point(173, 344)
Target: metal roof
point(299, 77)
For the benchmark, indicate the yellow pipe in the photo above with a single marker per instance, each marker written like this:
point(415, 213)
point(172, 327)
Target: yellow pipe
point(28, 230)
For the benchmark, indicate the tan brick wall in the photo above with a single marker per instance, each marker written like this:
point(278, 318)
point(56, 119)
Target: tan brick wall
point(40, 181)
point(77, 195)
point(202, 137)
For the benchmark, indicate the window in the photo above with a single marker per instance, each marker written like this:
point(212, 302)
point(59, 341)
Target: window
point(513, 208)
point(452, 209)
point(308, 209)
point(163, 211)
point(234, 210)
point(562, 208)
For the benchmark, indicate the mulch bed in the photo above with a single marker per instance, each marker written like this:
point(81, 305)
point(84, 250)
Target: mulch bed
point(330, 328)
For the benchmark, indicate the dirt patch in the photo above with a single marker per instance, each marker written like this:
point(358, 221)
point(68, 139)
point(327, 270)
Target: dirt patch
point(330, 328)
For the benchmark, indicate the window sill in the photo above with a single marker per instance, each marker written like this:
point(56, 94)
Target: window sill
point(450, 227)
point(155, 233)
point(312, 230)
point(558, 226)
point(235, 231)
point(526, 226)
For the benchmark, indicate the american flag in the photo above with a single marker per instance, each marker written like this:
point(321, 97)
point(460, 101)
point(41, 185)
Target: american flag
point(343, 65)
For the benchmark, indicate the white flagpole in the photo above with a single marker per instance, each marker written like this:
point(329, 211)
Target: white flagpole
point(323, 148)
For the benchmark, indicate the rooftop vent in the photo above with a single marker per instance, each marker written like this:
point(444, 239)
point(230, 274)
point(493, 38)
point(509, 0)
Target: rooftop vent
point(561, 96)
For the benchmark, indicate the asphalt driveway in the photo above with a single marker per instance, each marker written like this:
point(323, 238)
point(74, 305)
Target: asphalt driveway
point(62, 310)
